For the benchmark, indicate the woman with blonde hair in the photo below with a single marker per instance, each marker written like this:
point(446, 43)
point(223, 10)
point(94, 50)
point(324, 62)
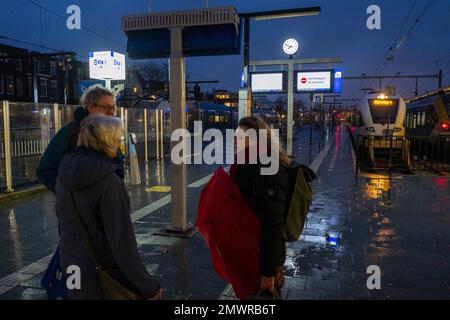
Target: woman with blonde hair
point(92, 203)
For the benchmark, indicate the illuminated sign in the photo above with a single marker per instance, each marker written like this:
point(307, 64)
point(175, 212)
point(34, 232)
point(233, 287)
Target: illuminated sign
point(382, 102)
point(337, 88)
point(314, 81)
point(268, 82)
point(323, 81)
point(106, 65)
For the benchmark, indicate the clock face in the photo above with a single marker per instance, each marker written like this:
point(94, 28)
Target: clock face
point(290, 46)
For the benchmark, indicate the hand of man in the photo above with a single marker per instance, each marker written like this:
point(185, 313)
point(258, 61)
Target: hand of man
point(158, 296)
point(267, 283)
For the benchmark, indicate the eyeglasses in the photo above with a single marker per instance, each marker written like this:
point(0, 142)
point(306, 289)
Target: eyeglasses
point(106, 108)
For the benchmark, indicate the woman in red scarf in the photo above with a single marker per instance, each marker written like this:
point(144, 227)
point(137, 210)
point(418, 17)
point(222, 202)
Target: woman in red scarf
point(266, 195)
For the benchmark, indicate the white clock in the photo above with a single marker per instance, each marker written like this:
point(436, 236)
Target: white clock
point(290, 46)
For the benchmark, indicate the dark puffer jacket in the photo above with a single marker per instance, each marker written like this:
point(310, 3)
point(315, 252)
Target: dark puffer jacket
point(266, 195)
point(104, 205)
point(64, 142)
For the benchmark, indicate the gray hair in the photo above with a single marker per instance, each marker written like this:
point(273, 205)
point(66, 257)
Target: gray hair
point(101, 133)
point(93, 94)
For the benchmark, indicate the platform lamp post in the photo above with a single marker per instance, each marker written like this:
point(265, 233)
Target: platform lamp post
point(245, 91)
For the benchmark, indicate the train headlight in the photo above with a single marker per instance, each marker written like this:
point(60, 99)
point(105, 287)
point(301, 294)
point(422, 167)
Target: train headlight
point(370, 129)
point(397, 129)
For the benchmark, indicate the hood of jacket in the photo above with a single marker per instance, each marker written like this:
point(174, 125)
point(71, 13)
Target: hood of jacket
point(79, 114)
point(84, 168)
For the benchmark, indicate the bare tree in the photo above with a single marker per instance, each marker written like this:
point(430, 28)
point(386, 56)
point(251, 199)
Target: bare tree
point(153, 71)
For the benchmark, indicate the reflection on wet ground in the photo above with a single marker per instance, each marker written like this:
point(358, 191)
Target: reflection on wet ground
point(399, 223)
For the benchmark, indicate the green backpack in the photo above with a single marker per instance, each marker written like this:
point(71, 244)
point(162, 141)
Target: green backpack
point(299, 200)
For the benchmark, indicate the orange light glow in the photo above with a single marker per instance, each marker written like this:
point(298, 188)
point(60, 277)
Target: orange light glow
point(382, 102)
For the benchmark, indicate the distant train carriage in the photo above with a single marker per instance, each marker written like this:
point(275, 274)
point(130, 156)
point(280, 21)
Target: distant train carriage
point(428, 129)
point(219, 116)
point(428, 116)
point(382, 133)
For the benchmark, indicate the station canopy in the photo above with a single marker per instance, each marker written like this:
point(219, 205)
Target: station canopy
point(206, 32)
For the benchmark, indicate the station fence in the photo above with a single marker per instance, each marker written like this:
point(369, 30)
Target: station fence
point(414, 153)
point(26, 129)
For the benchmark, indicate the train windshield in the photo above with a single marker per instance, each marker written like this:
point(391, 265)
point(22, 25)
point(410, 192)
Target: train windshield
point(383, 110)
point(446, 99)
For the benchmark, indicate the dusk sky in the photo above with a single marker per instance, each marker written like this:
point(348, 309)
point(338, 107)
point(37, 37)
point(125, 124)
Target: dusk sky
point(339, 31)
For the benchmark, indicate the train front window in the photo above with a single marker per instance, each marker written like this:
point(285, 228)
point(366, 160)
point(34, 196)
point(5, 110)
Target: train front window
point(446, 100)
point(448, 108)
point(383, 110)
point(433, 114)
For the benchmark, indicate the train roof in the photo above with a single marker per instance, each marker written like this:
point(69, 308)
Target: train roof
point(213, 106)
point(431, 94)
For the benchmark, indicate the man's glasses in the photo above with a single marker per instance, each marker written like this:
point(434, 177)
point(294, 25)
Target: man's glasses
point(107, 108)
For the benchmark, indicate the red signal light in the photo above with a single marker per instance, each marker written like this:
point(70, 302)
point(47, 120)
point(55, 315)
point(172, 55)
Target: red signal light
point(445, 126)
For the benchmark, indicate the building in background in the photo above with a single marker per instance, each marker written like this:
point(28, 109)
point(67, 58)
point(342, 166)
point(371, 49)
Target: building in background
point(57, 78)
point(228, 98)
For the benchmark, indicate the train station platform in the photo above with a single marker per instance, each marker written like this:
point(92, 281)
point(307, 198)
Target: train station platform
point(399, 223)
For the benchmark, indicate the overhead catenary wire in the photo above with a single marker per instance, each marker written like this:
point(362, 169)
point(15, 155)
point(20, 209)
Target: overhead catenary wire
point(35, 45)
point(385, 57)
point(403, 24)
point(84, 27)
point(395, 46)
point(416, 22)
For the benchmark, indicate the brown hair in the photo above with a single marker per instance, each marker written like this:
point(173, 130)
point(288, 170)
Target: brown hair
point(93, 94)
point(256, 123)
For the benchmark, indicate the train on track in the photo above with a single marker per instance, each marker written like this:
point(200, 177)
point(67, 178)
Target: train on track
point(410, 133)
point(381, 136)
point(428, 116)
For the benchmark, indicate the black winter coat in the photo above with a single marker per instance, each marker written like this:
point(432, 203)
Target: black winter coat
point(104, 205)
point(266, 195)
point(65, 142)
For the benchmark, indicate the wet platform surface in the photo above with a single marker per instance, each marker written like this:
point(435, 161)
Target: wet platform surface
point(399, 223)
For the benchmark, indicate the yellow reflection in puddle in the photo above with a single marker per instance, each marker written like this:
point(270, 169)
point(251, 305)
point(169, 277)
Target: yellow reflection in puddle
point(377, 184)
point(158, 189)
point(386, 232)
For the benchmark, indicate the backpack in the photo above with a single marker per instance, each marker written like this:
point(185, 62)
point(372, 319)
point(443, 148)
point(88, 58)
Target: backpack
point(299, 200)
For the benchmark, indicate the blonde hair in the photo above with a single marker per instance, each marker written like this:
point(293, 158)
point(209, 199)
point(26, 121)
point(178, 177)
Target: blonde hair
point(101, 133)
point(257, 123)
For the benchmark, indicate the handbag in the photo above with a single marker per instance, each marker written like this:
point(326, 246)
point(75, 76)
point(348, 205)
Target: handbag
point(54, 280)
point(113, 283)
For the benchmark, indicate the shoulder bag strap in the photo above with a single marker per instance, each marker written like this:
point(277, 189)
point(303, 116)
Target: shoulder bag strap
point(85, 234)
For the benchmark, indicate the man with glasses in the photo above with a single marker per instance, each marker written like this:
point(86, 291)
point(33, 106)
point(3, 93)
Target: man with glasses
point(95, 100)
